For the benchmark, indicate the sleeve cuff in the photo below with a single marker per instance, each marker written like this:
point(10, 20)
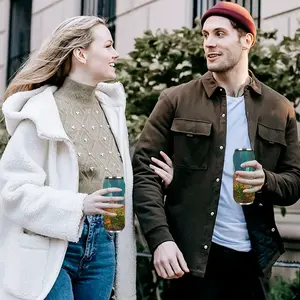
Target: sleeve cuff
point(269, 185)
point(157, 236)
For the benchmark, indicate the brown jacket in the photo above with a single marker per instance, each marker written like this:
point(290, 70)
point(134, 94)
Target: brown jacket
point(189, 124)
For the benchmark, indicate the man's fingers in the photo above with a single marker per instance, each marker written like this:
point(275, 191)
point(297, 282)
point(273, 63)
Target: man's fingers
point(253, 163)
point(169, 270)
point(182, 262)
point(160, 270)
point(250, 174)
point(166, 158)
point(252, 189)
point(252, 182)
point(177, 271)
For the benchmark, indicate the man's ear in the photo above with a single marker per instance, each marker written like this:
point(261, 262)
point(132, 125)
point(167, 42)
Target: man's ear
point(80, 55)
point(247, 41)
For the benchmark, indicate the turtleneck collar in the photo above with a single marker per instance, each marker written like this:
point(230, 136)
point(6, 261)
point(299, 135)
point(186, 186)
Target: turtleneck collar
point(76, 91)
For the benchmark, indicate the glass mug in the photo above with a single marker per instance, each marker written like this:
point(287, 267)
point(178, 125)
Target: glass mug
point(240, 156)
point(117, 223)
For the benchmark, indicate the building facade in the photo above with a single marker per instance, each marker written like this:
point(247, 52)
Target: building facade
point(24, 24)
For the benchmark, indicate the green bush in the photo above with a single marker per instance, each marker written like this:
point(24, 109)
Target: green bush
point(166, 59)
point(282, 289)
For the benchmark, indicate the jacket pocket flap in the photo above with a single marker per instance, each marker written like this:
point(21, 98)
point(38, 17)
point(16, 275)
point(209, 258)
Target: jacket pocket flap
point(192, 127)
point(272, 135)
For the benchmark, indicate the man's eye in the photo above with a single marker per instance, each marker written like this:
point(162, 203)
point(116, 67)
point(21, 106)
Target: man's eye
point(220, 33)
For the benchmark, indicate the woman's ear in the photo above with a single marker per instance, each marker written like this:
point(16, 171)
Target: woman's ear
point(80, 55)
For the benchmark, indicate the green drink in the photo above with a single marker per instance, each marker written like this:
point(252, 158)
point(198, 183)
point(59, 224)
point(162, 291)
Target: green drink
point(117, 223)
point(240, 156)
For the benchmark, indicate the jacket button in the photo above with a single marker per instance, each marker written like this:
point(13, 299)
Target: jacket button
point(205, 247)
point(223, 115)
point(212, 213)
point(218, 179)
point(273, 229)
point(221, 147)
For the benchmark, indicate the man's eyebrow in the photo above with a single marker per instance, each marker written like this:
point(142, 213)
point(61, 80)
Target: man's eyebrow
point(216, 29)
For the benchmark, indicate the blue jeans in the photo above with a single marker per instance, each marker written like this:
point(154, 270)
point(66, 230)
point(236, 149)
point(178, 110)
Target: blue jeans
point(89, 266)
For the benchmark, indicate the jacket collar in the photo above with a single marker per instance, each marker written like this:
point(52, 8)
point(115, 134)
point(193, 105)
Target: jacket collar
point(40, 107)
point(210, 84)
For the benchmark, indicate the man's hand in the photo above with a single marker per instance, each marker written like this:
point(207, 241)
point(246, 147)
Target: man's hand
point(169, 262)
point(255, 179)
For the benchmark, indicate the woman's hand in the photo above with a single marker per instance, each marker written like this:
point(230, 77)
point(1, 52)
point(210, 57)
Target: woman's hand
point(96, 203)
point(165, 170)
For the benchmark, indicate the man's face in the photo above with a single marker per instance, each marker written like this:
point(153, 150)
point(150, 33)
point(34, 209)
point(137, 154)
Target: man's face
point(222, 44)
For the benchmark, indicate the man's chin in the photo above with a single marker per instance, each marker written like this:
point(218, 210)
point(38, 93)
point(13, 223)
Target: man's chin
point(216, 69)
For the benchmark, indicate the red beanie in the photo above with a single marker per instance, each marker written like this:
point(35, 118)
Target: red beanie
point(234, 12)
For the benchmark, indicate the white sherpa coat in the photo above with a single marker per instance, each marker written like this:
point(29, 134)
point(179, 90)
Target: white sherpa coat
point(40, 207)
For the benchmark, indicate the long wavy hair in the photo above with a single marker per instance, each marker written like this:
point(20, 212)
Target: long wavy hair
point(52, 63)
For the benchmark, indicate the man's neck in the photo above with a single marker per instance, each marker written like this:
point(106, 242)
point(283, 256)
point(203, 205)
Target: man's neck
point(233, 81)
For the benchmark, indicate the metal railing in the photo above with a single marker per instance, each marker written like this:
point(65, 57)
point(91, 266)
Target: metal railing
point(287, 264)
point(253, 6)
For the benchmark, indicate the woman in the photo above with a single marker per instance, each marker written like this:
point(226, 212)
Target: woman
point(68, 132)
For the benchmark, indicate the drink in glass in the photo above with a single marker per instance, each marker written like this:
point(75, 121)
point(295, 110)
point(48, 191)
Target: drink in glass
point(240, 156)
point(117, 223)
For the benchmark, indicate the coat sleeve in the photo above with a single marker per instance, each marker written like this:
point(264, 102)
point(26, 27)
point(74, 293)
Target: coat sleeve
point(148, 194)
point(283, 185)
point(26, 200)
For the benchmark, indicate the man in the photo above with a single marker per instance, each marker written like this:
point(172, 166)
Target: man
point(209, 245)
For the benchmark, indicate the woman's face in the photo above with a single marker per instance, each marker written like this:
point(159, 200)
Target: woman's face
point(100, 56)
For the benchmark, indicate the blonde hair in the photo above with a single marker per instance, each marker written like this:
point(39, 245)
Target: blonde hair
point(52, 63)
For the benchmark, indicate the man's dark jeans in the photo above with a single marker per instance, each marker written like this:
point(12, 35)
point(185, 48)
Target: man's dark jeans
point(230, 275)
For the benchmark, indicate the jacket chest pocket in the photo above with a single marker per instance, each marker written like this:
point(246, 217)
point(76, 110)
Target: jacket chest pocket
point(270, 142)
point(192, 139)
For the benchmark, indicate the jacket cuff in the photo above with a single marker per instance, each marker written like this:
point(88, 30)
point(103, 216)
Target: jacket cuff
point(157, 236)
point(270, 182)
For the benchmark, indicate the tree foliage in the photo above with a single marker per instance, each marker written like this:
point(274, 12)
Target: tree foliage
point(164, 59)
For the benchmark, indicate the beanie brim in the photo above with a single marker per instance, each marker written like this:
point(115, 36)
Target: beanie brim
point(244, 22)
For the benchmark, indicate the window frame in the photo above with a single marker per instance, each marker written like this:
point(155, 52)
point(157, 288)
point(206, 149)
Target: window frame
point(16, 28)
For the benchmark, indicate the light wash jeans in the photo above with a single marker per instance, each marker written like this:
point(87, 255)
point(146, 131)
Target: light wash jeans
point(89, 266)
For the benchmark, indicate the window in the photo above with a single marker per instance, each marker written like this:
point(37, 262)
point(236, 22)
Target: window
point(19, 35)
point(107, 9)
point(101, 8)
point(253, 6)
